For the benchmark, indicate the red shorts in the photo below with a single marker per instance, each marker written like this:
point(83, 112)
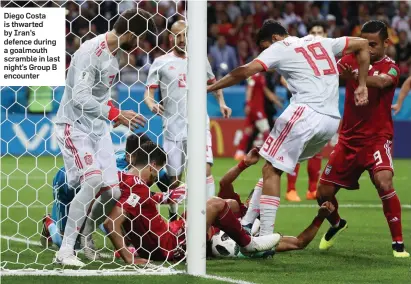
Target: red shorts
point(253, 116)
point(347, 163)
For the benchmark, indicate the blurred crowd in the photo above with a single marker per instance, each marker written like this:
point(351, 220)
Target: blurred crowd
point(232, 26)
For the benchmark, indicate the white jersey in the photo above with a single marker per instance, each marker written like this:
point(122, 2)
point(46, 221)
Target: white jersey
point(91, 73)
point(308, 65)
point(168, 72)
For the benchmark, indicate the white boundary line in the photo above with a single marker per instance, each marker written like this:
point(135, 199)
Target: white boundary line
point(314, 205)
point(99, 273)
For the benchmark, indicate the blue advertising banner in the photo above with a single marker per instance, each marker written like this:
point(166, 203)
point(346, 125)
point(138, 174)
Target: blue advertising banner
point(24, 133)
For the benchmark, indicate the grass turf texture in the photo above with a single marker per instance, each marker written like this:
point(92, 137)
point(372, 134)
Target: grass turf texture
point(362, 254)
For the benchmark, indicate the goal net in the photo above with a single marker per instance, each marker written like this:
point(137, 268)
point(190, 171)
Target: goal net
point(35, 205)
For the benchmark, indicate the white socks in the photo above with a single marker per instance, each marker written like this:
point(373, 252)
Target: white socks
point(78, 210)
point(210, 187)
point(268, 210)
point(254, 207)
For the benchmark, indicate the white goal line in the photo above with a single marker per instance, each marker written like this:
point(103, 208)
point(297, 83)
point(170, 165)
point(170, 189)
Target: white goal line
point(314, 205)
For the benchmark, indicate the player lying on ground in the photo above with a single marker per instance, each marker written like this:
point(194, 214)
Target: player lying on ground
point(63, 194)
point(82, 132)
point(286, 243)
point(168, 72)
point(405, 90)
point(365, 140)
point(311, 120)
point(153, 237)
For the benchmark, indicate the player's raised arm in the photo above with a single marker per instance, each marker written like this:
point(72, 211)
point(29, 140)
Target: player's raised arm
point(405, 89)
point(236, 76)
point(250, 159)
point(360, 47)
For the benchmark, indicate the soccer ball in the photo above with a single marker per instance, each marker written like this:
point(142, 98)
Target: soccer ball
point(223, 246)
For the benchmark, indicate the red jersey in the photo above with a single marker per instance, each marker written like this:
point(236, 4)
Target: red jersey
point(145, 227)
point(258, 83)
point(361, 125)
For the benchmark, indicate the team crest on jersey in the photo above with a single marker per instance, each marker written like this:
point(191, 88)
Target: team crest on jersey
point(88, 158)
point(133, 199)
point(393, 71)
point(328, 169)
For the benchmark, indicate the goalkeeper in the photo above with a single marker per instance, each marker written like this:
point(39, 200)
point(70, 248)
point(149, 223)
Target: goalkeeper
point(54, 225)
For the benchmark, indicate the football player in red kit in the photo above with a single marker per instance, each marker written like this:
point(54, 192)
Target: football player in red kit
point(155, 239)
point(365, 140)
point(255, 111)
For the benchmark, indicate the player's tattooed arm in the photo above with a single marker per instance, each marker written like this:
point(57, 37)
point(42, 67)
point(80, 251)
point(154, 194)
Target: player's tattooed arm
point(236, 76)
point(405, 89)
point(380, 81)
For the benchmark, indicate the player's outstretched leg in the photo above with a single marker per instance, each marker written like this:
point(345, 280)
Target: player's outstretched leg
point(221, 216)
point(314, 170)
point(338, 225)
point(392, 210)
point(292, 194)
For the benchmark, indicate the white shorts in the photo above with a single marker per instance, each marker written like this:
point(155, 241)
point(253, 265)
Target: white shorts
point(84, 153)
point(176, 156)
point(177, 153)
point(298, 134)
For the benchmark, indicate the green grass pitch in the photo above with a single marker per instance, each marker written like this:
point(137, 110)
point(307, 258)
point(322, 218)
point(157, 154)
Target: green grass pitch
point(362, 254)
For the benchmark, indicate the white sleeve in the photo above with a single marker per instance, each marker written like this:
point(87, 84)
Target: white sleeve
point(210, 74)
point(85, 72)
point(270, 58)
point(153, 78)
point(338, 45)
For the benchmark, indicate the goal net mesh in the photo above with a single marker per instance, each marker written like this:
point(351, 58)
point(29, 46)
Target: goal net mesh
point(30, 154)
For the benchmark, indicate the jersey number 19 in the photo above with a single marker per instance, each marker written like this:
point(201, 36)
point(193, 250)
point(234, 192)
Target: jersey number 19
point(319, 53)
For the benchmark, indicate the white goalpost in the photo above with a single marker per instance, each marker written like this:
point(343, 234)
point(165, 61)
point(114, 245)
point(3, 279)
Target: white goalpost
point(197, 112)
point(27, 175)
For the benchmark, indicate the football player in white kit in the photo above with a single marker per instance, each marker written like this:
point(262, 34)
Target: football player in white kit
point(312, 118)
point(81, 127)
point(168, 72)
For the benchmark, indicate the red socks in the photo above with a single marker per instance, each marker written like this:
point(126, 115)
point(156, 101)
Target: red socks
point(244, 142)
point(392, 211)
point(292, 179)
point(313, 169)
point(227, 222)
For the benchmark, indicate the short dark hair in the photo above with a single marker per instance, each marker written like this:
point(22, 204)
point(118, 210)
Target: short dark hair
point(375, 26)
point(136, 21)
point(148, 153)
point(270, 28)
point(134, 141)
point(318, 24)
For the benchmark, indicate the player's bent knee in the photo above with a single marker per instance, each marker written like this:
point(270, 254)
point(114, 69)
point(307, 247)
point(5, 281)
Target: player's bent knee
point(234, 206)
point(383, 180)
point(216, 203)
point(269, 171)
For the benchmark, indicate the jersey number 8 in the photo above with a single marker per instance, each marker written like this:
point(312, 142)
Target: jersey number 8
point(319, 53)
